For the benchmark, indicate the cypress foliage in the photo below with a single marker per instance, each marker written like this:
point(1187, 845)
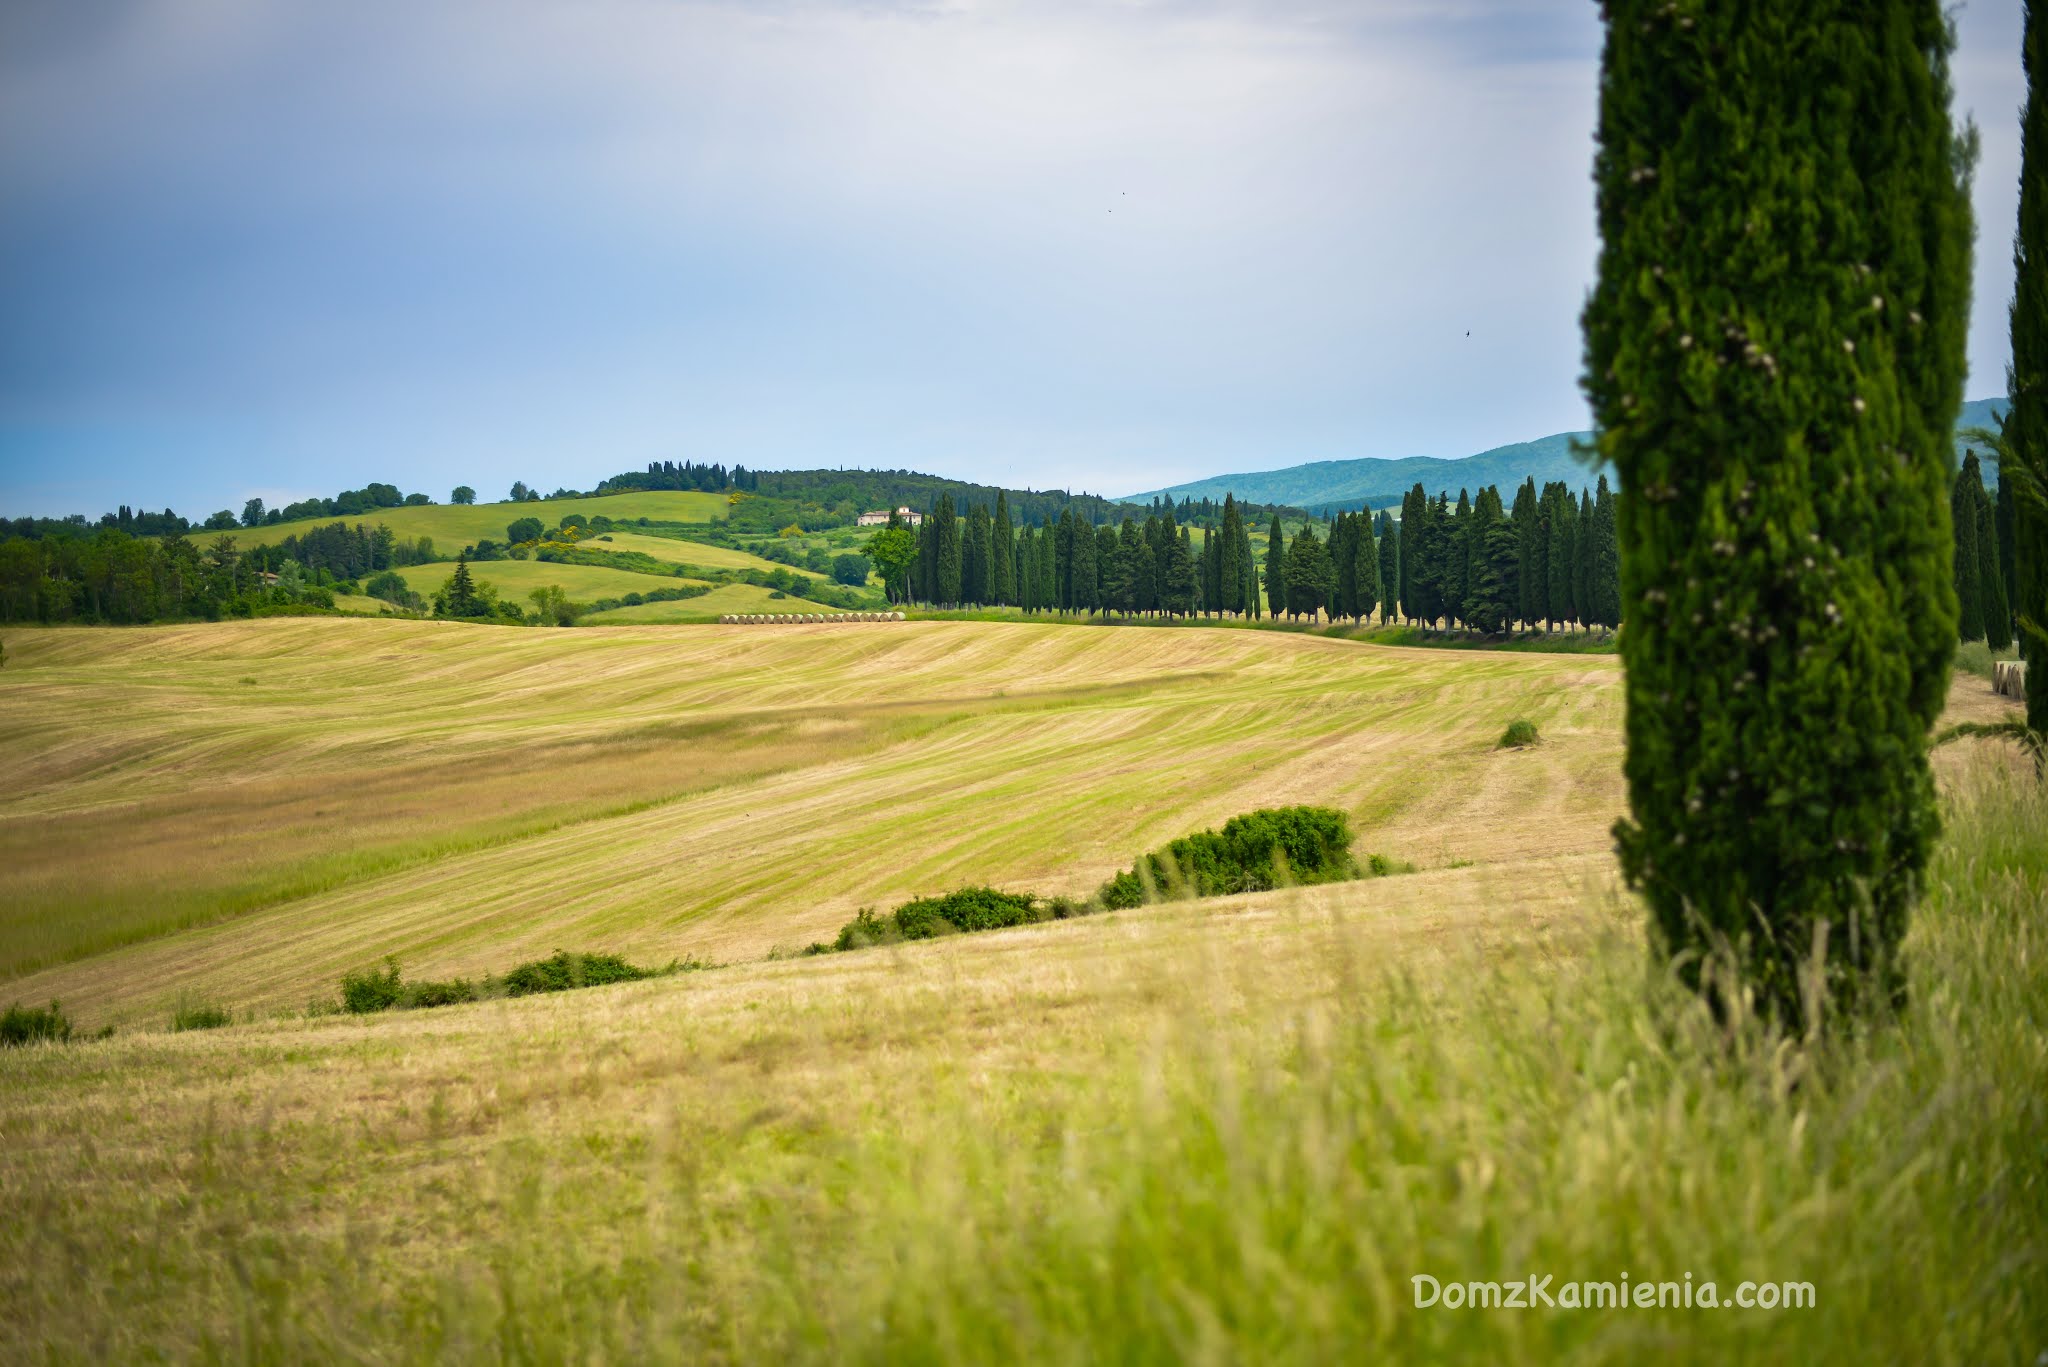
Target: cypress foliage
point(977, 557)
point(1063, 561)
point(1531, 580)
point(1414, 511)
point(1774, 356)
point(1002, 565)
point(1310, 575)
point(1990, 583)
point(1086, 581)
point(924, 576)
point(1457, 557)
point(1492, 539)
point(2026, 381)
point(1229, 569)
point(1212, 572)
point(2003, 522)
point(1966, 562)
point(1606, 560)
point(1048, 570)
point(1390, 566)
point(1582, 558)
point(1276, 569)
point(1248, 571)
point(1179, 593)
point(1560, 556)
point(1027, 568)
point(946, 585)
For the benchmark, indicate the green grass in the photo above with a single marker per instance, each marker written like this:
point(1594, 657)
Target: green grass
point(452, 526)
point(1217, 1132)
point(707, 607)
point(464, 797)
point(517, 578)
point(700, 554)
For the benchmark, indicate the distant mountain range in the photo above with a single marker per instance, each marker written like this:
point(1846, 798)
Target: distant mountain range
point(1327, 485)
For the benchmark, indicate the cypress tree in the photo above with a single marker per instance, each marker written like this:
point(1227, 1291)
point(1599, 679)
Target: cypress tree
point(1212, 572)
point(1582, 558)
point(1063, 561)
point(1390, 566)
point(1229, 572)
point(1002, 565)
point(2002, 520)
point(1414, 512)
point(1248, 571)
point(2026, 381)
point(1531, 580)
point(1276, 569)
point(1027, 568)
point(1990, 583)
point(1178, 593)
point(977, 557)
point(924, 579)
point(1965, 563)
point(1606, 560)
point(1561, 556)
point(1086, 582)
point(1048, 570)
point(1310, 575)
point(947, 584)
point(1492, 539)
point(1774, 357)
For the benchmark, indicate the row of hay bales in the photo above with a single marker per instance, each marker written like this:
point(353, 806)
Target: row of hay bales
point(2010, 678)
point(783, 619)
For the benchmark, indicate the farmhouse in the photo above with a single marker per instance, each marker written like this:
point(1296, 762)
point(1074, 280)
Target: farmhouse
point(882, 518)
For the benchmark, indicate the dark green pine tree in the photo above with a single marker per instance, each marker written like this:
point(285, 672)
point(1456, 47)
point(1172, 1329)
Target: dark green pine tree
point(947, 584)
point(1120, 570)
point(1774, 357)
point(1027, 568)
point(1229, 571)
point(1390, 566)
point(1966, 562)
point(1276, 569)
point(2026, 379)
point(1365, 570)
point(1002, 564)
point(1458, 559)
point(1048, 570)
point(462, 596)
point(1990, 583)
point(1532, 580)
point(1063, 561)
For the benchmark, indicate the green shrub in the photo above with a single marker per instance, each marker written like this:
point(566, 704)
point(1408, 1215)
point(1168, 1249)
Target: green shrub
point(866, 929)
point(966, 909)
point(564, 971)
point(362, 993)
point(420, 995)
point(1268, 848)
point(191, 1015)
point(30, 1024)
point(1521, 734)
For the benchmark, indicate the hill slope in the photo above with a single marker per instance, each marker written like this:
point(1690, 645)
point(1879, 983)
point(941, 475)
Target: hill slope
point(1377, 482)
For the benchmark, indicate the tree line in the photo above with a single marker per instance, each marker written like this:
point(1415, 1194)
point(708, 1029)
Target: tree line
point(112, 577)
point(1552, 559)
point(1984, 562)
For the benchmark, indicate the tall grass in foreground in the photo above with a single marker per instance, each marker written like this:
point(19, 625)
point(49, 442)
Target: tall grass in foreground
point(1196, 1156)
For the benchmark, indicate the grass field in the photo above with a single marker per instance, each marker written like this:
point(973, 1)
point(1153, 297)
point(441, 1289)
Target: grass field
point(517, 578)
point(707, 608)
point(697, 553)
point(1217, 1132)
point(454, 794)
point(452, 526)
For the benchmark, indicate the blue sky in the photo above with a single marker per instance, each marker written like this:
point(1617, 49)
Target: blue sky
point(284, 247)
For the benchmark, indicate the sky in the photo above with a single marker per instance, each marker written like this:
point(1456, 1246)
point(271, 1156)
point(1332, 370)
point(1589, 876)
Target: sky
point(277, 248)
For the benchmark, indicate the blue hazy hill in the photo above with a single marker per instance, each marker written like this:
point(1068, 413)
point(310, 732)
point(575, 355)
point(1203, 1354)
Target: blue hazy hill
point(1375, 482)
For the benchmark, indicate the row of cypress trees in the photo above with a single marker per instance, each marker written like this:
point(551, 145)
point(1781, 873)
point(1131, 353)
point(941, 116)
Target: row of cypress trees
point(1477, 565)
point(1984, 613)
point(1131, 568)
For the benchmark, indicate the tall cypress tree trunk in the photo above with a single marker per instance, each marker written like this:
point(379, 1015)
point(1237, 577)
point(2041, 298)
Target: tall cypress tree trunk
point(1775, 360)
point(2026, 383)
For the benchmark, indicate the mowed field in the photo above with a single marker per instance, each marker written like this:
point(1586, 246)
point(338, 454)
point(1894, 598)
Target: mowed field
point(454, 525)
point(248, 810)
point(708, 607)
point(1225, 1131)
point(517, 578)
